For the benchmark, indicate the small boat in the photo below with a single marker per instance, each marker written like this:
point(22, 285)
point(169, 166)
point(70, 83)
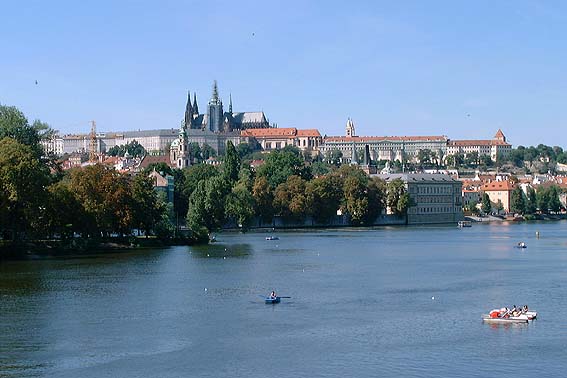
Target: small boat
point(272, 300)
point(462, 224)
point(504, 315)
point(521, 245)
point(512, 319)
point(272, 238)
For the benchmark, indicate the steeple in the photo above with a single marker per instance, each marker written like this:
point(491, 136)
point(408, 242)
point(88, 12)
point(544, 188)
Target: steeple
point(195, 107)
point(215, 97)
point(350, 131)
point(188, 112)
point(230, 103)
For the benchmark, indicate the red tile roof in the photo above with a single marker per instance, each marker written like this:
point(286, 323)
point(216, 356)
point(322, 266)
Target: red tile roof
point(498, 186)
point(308, 133)
point(362, 139)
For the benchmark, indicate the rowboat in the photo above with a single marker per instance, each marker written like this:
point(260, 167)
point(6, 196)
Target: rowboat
point(272, 238)
point(462, 224)
point(521, 245)
point(271, 300)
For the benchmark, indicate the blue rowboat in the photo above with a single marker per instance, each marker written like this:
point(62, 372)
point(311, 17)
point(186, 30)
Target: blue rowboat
point(270, 300)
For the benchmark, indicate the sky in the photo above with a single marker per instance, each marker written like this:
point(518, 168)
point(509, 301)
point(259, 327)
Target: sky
point(462, 69)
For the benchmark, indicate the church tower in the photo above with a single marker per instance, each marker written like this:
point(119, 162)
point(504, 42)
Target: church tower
point(182, 157)
point(195, 107)
point(215, 112)
point(350, 132)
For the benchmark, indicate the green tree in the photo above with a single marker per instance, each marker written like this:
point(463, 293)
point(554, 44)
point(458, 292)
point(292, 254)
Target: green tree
point(517, 201)
point(334, 157)
point(397, 198)
point(207, 151)
point(206, 205)
point(148, 210)
point(356, 199)
point(290, 199)
point(486, 204)
point(281, 164)
point(499, 206)
point(64, 213)
point(231, 163)
point(240, 206)
point(554, 202)
point(531, 203)
point(13, 124)
point(325, 194)
point(543, 199)
point(263, 198)
point(22, 181)
point(195, 174)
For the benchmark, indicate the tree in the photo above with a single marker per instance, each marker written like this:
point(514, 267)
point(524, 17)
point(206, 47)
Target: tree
point(531, 203)
point(499, 206)
point(206, 205)
point(334, 157)
point(398, 200)
point(240, 206)
point(207, 151)
point(23, 179)
point(281, 164)
point(231, 163)
point(196, 173)
point(13, 124)
point(543, 199)
point(64, 213)
point(554, 202)
point(244, 149)
point(486, 204)
point(324, 195)
point(517, 201)
point(355, 199)
point(263, 198)
point(290, 199)
point(147, 209)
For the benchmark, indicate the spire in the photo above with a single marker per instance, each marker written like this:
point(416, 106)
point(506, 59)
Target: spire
point(230, 103)
point(188, 111)
point(215, 97)
point(195, 107)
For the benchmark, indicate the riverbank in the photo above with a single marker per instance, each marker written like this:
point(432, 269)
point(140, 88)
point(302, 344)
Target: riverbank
point(37, 249)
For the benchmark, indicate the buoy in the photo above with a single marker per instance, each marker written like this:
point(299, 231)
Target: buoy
point(207, 255)
point(433, 298)
point(205, 289)
point(224, 257)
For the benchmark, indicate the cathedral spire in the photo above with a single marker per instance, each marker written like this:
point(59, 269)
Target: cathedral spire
point(188, 111)
point(215, 97)
point(195, 107)
point(230, 103)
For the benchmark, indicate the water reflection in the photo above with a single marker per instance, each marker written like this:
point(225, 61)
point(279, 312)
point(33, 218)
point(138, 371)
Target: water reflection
point(219, 250)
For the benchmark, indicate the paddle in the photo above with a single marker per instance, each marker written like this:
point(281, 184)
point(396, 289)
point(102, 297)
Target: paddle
point(283, 297)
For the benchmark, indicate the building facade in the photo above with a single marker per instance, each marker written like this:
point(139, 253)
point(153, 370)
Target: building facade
point(494, 147)
point(437, 198)
point(277, 138)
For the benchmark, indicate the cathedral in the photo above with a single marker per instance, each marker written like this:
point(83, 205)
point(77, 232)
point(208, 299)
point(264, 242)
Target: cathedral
point(215, 128)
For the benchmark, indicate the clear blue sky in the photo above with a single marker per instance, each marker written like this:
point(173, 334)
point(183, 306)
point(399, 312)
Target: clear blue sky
point(458, 68)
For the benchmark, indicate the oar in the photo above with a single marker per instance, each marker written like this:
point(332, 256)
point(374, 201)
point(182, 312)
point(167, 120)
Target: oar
point(283, 297)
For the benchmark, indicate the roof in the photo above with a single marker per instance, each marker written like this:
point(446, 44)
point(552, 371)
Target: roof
point(499, 135)
point(158, 180)
point(270, 132)
point(154, 159)
point(419, 177)
point(308, 133)
point(363, 139)
point(249, 117)
point(477, 142)
point(498, 186)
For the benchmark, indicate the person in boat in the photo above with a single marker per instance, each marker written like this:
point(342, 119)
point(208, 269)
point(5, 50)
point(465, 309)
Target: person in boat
point(273, 295)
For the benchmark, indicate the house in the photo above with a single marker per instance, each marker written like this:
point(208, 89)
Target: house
point(499, 191)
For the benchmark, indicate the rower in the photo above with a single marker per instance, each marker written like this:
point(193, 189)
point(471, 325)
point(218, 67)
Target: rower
point(273, 295)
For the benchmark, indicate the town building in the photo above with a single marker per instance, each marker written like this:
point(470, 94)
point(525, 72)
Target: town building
point(499, 192)
point(388, 148)
point(494, 147)
point(277, 138)
point(437, 198)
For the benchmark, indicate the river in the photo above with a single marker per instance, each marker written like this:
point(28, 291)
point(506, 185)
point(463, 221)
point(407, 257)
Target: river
point(385, 302)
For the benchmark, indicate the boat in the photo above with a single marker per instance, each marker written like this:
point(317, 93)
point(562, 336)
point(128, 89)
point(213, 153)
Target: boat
point(521, 245)
point(503, 315)
point(272, 238)
point(272, 300)
point(512, 319)
point(462, 224)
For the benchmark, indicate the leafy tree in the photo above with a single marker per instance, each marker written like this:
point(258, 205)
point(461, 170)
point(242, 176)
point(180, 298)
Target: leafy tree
point(240, 206)
point(319, 168)
point(22, 181)
point(281, 164)
point(206, 205)
point(554, 202)
point(195, 174)
point(543, 199)
point(290, 199)
point(325, 194)
point(244, 149)
point(207, 151)
point(397, 199)
point(499, 206)
point(160, 167)
point(195, 152)
point(531, 203)
point(14, 124)
point(517, 201)
point(231, 163)
point(64, 213)
point(134, 149)
point(147, 208)
point(356, 199)
point(486, 204)
point(334, 157)
point(263, 198)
